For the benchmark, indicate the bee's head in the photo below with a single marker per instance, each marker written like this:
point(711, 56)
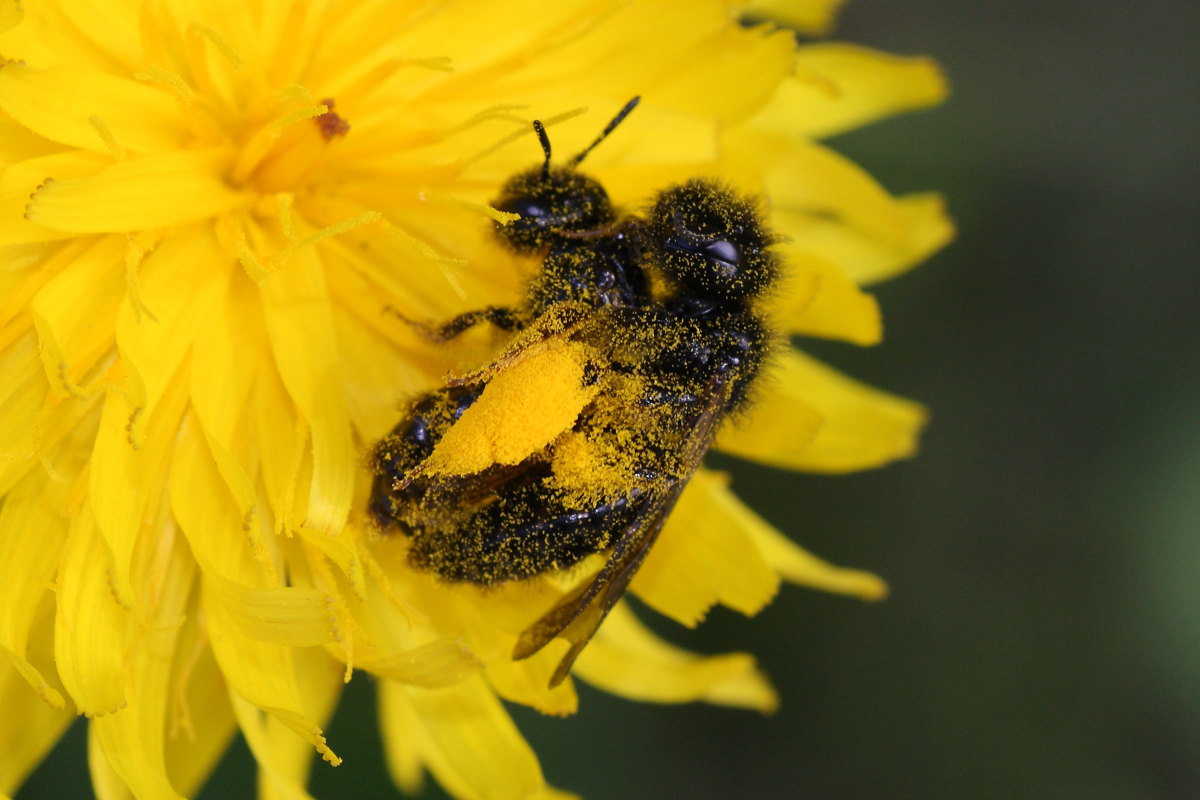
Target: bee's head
point(553, 201)
point(710, 242)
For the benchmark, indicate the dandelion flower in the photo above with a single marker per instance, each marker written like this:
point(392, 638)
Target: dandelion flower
point(205, 211)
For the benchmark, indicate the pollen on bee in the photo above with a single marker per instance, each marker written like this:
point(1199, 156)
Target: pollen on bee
point(525, 407)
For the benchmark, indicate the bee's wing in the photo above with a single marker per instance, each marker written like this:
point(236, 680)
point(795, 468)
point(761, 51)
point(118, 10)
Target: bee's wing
point(577, 616)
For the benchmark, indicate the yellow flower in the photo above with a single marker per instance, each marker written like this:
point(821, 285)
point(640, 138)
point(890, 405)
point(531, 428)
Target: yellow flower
point(205, 210)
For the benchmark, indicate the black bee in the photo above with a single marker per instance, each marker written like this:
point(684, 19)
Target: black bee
point(652, 322)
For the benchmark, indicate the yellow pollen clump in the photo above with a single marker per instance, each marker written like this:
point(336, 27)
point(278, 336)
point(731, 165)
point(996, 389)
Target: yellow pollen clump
point(524, 408)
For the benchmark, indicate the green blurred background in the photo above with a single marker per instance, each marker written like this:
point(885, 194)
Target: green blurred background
point(1042, 639)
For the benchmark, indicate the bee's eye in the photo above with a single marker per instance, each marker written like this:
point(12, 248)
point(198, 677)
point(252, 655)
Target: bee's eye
point(710, 242)
point(550, 203)
point(525, 206)
point(723, 250)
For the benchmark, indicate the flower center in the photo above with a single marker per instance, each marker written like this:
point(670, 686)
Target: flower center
point(289, 149)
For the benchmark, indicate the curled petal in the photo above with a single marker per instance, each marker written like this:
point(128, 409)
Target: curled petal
point(627, 659)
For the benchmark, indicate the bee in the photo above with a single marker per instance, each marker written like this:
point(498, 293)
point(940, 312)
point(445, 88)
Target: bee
point(645, 333)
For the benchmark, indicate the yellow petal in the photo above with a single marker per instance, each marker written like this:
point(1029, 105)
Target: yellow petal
point(730, 74)
point(319, 678)
point(152, 192)
point(528, 682)
point(82, 107)
point(131, 740)
point(296, 307)
point(76, 311)
point(220, 386)
point(290, 615)
point(543, 391)
point(798, 566)
point(20, 180)
point(440, 663)
point(840, 87)
point(200, 723)
point(22, 396)
point(124, 481)
point(815, 180)
point(33, 727)
point(463, 735)
point(265, 676)
point(106, 783)
point(808, 16)
point(836, 309)
point(11, 14)
point(284, 615)
point(33, 530)
point(704, 556)
point(860, 427)
point(276, 780)
point(92, 630)
point(866, 257)
point(627, 659)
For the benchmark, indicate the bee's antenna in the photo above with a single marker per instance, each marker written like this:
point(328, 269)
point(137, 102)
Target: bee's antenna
point(545, 140)
point(621, 115)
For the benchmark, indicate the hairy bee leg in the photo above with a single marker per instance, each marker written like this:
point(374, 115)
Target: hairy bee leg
point(502, 317)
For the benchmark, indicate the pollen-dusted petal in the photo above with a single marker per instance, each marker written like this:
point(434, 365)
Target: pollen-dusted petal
point(837, 309)
point(814, 17)
point(801, 567)
point(627, 659)
point(704, 556)
point(464, 737)
point(525, 406)
point(156, 191)
point(91, 640)
point(296, 306)
point(31, 730)
point(132, 740)
point(67, 104)
point(76, 310)
point(861, 427)
point(868, 258)
point(840, 87)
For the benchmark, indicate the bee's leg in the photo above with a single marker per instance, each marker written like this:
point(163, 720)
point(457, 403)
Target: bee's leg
point(502, 317)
